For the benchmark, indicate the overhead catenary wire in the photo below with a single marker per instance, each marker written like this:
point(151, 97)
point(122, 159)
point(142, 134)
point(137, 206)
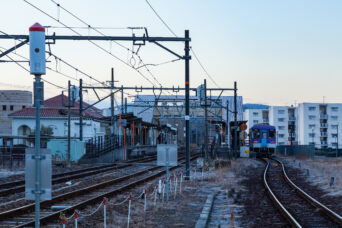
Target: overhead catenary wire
point(171, 31)
point(73, 30)
point(24, 68)
point(126, 48)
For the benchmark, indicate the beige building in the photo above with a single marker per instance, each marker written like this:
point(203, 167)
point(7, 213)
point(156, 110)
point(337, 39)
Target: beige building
point(10, 101)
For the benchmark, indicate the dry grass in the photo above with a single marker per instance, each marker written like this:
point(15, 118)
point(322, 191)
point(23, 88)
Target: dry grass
point(320, 172)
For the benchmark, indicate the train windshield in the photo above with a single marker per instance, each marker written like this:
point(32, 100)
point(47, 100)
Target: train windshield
point(264, 135)
point(256, 134)
point(272, 134)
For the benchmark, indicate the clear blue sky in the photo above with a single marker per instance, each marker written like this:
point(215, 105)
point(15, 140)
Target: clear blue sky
point(279, 52)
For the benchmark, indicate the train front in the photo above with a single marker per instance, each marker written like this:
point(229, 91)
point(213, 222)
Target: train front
point(263, 139)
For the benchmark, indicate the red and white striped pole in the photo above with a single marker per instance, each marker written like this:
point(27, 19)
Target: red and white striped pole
point(164, 189)
point(63, 221)
point(104, 213)
point(76, 216)
point(155, 195)
point(129, 209)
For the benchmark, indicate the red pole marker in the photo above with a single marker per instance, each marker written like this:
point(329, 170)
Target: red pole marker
point(130, 196)
point(104, 201)
point(145, 191)
point(76, 215)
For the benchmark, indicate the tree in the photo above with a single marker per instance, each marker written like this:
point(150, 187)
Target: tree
point(44, 132)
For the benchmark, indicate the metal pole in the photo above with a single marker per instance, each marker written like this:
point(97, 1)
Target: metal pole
point(205, 119)
point(38, 90)
point(235, 120)
point(227, 127)
point(69, 121)
point(337, 141)
point(167, 174)
point(125, 104)
point(187, 101)
point(122, 102)
point(81, 112)
point(112, 102)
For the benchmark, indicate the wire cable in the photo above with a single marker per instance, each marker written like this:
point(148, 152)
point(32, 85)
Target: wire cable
point(171, 31)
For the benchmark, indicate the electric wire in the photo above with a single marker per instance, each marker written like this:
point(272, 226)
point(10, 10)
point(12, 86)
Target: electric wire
point(24, 68)
point(103, 49)
point(126, 48)
point(171, 31)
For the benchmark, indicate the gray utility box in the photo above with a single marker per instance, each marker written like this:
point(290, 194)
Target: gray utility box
point(45, 174)
point(161, 154)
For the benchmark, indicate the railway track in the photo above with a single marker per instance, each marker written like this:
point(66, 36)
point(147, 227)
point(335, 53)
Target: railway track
point(24, 216)
point(19, 186)
point(297, 206)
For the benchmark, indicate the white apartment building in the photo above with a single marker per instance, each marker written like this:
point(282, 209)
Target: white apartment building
point(255, 116)
point(284, 118)
point(318, 124)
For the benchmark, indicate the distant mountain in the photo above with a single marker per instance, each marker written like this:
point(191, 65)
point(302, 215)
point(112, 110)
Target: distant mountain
point(255, 106)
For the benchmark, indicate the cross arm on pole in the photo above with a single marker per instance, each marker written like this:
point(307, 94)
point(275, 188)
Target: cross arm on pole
point(14, 48)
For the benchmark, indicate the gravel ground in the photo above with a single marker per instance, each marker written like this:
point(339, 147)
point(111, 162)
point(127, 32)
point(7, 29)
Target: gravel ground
point(182, 211)
point(317, 182)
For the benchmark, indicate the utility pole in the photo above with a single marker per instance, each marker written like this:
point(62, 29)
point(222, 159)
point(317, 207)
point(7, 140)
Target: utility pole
point(69, 121)
point(205, 119)
point(37, 68)
point(38, 90)
point(187, 101)
point(122, 102)
point(81, 111)
point(235, 120)
point(227, 127)
point(112, 102)
point(125, 104)
point(337, 141)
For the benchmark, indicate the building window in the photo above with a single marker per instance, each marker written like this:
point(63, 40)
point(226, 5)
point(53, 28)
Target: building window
point(4, 108)
point(311, 135)
point(334, 117)
point(281, 119)
point(281, 111)
point(280, 136)
point(311, 126)
point(255, 114)
point(334, 126)
point(312, 108)
point(312, 117)
point(281, 127)
point(334, 109)
point(255, 122)
point(11, 107)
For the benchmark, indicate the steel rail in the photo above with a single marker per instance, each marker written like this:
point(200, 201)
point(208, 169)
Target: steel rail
point(100, 197)
point(79, 171)
point(336, 217)
point(277, 203)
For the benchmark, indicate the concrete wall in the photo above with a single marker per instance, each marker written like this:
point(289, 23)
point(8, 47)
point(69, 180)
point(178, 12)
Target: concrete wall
point(12, 100)
point(59, 126)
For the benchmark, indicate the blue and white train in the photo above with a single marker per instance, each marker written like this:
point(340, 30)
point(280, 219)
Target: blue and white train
point(262, 139)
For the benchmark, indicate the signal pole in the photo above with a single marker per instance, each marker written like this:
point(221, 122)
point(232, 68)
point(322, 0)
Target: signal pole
point(206, 119)
point(235, 120)
point(187, 101)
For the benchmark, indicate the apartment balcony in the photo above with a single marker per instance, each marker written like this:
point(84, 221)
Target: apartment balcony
point(324, 125)
point(292, 118)
point(265, 120)
point(324, 116)
point(324, 134)
point(291, 139)
point(324, 143)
